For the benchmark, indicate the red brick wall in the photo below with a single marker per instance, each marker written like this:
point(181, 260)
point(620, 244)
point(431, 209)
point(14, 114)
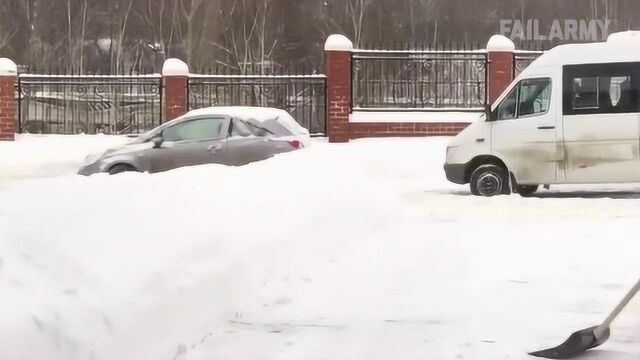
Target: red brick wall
point(363, 130)
point(8, 107)
point(338, 95)
point(175, 97)
point(500, 73)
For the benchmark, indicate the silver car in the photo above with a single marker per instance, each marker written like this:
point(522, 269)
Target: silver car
point(219, 135)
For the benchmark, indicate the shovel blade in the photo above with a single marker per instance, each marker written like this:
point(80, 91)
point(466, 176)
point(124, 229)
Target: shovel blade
point(578, 343)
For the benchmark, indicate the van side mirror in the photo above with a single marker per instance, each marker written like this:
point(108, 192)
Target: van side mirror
point(157, 142)
point(487, 112)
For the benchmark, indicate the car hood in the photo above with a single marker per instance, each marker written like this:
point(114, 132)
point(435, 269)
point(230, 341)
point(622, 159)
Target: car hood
point(127, 149)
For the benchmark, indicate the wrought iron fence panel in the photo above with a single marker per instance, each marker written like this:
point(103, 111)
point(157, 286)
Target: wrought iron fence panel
point(522, 59)
point(303, 96)
point(425, 80)
point(89, 104)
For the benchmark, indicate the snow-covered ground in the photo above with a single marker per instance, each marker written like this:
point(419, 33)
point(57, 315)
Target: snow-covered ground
point(341, 251)
point(33, 156)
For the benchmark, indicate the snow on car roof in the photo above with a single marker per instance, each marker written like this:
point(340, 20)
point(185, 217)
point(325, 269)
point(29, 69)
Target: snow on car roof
point(245, 112)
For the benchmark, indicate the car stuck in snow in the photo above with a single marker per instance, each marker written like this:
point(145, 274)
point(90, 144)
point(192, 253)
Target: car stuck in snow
point(217, 135)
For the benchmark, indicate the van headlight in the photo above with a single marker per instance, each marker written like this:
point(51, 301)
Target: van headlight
point(450, 152)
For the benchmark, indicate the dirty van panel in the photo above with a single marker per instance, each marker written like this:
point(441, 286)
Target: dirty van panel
point(525, 133)
point(602, 148)
point(601, 109)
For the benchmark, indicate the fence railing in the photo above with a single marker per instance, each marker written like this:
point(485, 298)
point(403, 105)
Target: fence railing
point(301, 95)
point(89, 104)
point(382, 80)
point(522, 59)
point(426, 80)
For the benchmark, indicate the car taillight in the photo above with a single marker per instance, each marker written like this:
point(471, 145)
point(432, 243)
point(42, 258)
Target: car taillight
point(296, 144)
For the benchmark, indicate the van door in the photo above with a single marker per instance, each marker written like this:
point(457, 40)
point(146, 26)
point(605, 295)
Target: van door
point(524, 132)
point(601, 123)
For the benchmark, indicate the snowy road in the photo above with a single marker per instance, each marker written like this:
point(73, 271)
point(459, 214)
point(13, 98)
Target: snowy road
point(351, 251)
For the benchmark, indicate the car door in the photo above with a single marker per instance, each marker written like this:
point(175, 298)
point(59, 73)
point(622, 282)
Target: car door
point(249, 143)
point(524, 132)
point(191, 142)
point(601, 123)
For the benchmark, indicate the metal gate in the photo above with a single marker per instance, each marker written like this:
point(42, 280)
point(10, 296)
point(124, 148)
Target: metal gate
point(55, 104)
point(304, 96)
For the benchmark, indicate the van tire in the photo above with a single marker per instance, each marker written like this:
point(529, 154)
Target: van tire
point(527, 190)
point(489, 180)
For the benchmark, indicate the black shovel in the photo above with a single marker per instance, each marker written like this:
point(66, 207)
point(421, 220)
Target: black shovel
point(589, 338)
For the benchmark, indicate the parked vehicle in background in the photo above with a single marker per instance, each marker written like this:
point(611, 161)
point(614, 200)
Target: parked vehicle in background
point(572, 117)
point(216, 135)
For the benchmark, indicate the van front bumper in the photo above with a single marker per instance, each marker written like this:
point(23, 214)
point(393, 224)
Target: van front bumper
point(455, 173)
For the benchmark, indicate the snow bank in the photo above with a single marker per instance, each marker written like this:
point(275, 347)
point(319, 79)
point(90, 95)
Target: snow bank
point(340, 251)
point(50, 155)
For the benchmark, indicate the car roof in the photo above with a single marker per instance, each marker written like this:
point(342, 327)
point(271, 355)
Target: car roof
point(243, 112)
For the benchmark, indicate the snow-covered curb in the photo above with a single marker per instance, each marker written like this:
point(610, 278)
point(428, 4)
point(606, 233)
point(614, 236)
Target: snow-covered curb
point(413, 117)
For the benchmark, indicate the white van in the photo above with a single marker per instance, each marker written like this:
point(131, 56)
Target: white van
point(572, 117)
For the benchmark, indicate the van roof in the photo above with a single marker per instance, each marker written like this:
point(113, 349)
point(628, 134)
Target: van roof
point(619, 47)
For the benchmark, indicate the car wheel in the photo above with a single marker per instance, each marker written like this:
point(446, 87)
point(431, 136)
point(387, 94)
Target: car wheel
point(526, 190)
point(121, 168)
point(489, 180)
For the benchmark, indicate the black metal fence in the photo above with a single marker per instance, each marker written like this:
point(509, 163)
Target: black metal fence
point(437, 80)
point(399, 80)
point(303, 96)
point(522, 59)
point(58, 104)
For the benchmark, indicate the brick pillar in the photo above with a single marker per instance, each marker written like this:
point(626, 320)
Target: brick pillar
point(8, 102)
point(175, 80)
point(338, 59)
point(500, 72)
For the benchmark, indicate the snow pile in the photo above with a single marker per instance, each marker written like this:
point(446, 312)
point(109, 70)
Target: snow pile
point(337, 42)
point(500, 43)
point(50, 155)
point(175, 67)
point(340, 251)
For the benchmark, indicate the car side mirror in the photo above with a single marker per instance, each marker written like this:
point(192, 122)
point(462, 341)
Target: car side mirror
point(157, 142)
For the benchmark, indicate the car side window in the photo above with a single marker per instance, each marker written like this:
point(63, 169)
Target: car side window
point(535, 97)
point(258, 129)
point(199, 129)
point(240, 128)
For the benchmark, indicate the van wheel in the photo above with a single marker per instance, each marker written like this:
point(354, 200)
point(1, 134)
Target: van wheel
point(121, 168)
point(527, 190)
point(489, 180)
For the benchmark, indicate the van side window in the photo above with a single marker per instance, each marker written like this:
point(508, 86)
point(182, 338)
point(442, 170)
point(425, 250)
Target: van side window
point(507, 109)
point(601, 88)
point(529, 98)
point(585, 93)
point(535, 96)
